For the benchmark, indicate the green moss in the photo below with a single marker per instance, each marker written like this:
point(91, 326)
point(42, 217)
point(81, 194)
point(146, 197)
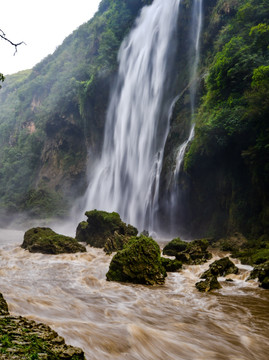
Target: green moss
point(139, 262)
point(211, 283)
point(18, 344)
point(171, 265)
point(221, 267)
point(174, 246)
point(104, 230)
point(253, 252)
point(262, 273)
point(46, 241)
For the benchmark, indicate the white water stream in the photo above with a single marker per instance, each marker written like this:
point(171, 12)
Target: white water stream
point(126, 177)
point(113, 321)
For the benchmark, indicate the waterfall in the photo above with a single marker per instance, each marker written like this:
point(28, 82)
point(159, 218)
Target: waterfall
point(195, 39)
point(126, 177)
point(195, 33)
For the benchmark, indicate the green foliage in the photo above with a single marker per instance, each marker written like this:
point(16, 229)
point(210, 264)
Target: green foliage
point(37, 202)
point(71, 84)
point(232, 133)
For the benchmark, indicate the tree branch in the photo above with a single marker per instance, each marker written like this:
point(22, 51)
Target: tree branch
point(3, 36)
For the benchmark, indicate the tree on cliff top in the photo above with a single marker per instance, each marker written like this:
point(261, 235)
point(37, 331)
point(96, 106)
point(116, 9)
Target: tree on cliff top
point(3, 36)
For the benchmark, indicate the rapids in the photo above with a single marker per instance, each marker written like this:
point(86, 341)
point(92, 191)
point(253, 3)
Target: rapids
point(118, 321)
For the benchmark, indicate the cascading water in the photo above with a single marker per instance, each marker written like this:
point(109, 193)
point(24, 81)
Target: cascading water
point(195, 33)
point(195, 36)
point(126, 177)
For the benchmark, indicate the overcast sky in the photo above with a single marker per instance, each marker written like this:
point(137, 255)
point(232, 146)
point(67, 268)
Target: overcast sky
point(42, 25)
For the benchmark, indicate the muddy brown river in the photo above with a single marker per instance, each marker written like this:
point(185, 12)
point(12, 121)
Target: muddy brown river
point(117, 321)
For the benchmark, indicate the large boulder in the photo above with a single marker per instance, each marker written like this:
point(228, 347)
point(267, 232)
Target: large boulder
point(44, 240)
point(262, 273)
point(192, 253)
point(139, 262)
point(221, 267)
point(105, 230)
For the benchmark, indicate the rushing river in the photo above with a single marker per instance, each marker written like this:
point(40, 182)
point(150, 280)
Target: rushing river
point(118, 321)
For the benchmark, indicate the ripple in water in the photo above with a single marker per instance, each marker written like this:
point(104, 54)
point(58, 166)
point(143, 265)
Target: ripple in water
point(118, 321)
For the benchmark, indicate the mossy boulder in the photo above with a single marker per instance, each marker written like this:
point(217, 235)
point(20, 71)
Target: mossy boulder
point(171, 265)
point(138, 262)
point(262, 273)
point(210, 283)
point(105, 230)
point(192, 253)
point(44, 240)
point(221, 267)
point(175, 246)
point(21, 338)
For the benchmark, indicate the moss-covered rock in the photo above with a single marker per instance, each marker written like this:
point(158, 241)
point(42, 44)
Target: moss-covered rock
point(262, 273)
point(174, 246)
point(104, 230)
point(139, 262)
point(254, 252)
point(231, 243)
point(21, 338)
point(210, 283)
point(44, 240)
point(221, 267)
point(171, 265)
point(192, 253)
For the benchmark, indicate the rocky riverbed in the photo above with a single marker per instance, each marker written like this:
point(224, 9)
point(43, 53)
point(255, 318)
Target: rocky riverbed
point(21, 338)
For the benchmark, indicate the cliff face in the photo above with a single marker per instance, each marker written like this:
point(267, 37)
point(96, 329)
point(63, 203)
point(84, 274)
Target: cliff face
point(52, 119)
point(224, 181)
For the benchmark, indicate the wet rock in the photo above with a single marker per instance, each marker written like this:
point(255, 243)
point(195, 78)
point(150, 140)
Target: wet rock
point(171, 265)
point(197, 250)
point(46, 241)
point(3, 306)
point(105, 230)
point(231, 243)
point(139, 262)
point(262, 273)
point(210, 283)
point(221, 267)
point(21, 338)
point(192, 253)
point(174, 247)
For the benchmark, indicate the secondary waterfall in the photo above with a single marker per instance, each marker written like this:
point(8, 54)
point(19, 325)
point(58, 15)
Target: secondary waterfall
point(126, 178)
point(195, 34)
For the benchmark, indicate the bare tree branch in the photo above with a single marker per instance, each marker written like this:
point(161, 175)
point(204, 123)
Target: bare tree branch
point(3, 36)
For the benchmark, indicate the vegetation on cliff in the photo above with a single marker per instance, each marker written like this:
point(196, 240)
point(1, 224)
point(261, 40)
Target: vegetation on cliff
point(52, 113)
point(227, 163)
